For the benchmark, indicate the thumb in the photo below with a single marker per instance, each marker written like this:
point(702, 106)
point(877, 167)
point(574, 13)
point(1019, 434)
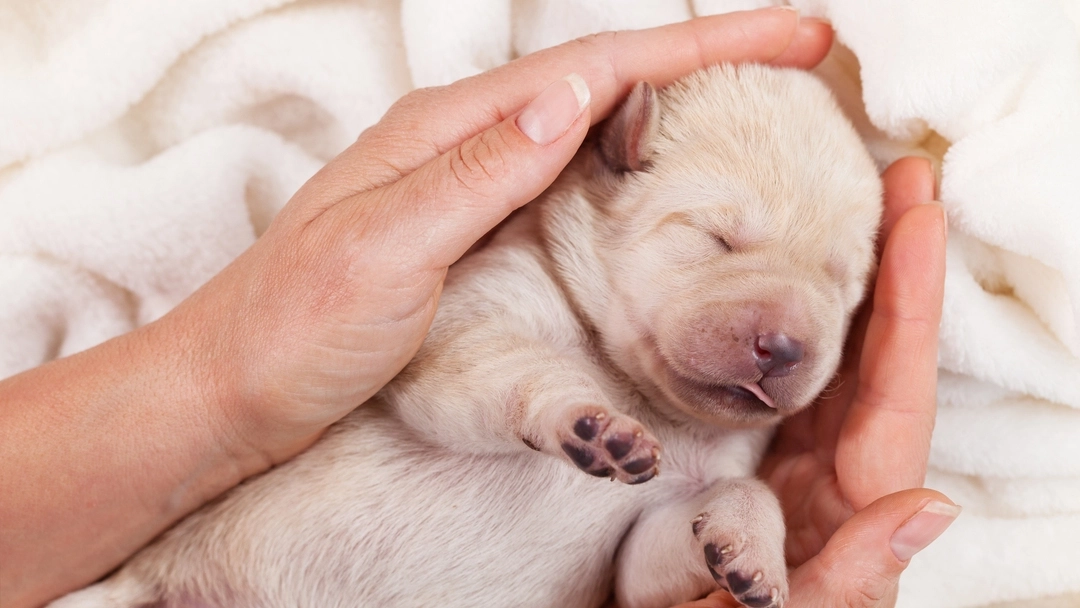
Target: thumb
point(861, 564)
point(456, 198)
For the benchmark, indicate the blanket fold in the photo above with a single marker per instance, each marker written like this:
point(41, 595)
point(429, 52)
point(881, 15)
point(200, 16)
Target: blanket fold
point(145, 145)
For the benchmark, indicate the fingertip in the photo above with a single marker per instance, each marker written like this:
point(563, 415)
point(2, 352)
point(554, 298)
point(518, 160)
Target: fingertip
point(927, 224)
point(911, 276)
point(908, 182)
point(860, 559)
point(810, 43)
point(761, 36)
point(924, 527)
point(555, 110)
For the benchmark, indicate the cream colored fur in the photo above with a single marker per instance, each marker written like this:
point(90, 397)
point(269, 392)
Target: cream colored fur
point(621, 298)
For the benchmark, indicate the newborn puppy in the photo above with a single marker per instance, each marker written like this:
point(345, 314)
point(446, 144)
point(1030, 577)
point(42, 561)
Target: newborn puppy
point(684, 285)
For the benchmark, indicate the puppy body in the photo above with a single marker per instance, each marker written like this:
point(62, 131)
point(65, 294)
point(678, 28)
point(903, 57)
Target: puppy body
point(686, 283)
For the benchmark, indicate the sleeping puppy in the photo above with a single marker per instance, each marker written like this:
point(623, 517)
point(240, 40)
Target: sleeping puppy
point(684, 285)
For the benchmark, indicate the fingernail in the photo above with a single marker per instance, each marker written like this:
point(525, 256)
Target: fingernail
point(944, 216)
point(941, 206)
point(932, 171)
point(784, 7)
point(548, 116)
point(821, 20)
point(918, 532)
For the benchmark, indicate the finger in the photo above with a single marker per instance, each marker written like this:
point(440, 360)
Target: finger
point(430, 218)
point(811, 42)
point(718, 599)
point(908, 182)
point(420, 128)
point(885, 440)
point(861, 564)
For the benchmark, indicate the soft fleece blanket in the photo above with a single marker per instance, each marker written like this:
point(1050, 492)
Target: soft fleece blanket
point(143, 145)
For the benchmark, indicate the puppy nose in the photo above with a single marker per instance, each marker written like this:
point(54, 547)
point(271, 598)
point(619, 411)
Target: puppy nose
point(777, 354)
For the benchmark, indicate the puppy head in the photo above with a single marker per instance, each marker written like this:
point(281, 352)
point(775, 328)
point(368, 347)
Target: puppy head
point(736, 217)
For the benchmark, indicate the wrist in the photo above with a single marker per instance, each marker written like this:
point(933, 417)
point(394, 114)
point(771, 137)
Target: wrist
point(216, 343)
point(103, 450)
point(191, 354)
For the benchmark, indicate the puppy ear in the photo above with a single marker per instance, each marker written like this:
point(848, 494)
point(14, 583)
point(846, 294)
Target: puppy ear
point(627, 136)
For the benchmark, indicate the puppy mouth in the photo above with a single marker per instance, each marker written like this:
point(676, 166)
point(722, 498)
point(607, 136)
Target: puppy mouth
point(746, 400)
point(753, 390)
point(747, 396)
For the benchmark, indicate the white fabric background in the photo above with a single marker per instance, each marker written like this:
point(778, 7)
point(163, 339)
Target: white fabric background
point(143, 145)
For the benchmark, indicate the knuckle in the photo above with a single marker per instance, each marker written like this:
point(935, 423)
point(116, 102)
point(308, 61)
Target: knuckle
point(406, 114)
point(598, 39)
point(480, 159)
point(421, 98)
point(867, 591)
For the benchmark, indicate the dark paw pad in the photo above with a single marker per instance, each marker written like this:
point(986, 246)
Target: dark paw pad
point(608, 444)
point(635, 467)
point(716, 556)
point(739, 582)
point(643, 478)
point(619, 445)
point(587, 427)
point(582, 456)
point(757, 601)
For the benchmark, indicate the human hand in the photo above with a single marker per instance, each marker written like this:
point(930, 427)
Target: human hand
point(336, 297)
point(845, 468)
point(104, 449)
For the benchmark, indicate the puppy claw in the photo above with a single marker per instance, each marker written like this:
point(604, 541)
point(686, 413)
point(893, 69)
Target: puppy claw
point(696, 524)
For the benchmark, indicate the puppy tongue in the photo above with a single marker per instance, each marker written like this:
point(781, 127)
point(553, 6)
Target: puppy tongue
point(755, 388)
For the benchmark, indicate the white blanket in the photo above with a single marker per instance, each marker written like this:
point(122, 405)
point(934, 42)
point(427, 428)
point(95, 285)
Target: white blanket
point(143, 145)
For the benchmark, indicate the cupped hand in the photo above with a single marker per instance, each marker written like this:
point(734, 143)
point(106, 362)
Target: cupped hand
point(336, 297)
point(848, 469)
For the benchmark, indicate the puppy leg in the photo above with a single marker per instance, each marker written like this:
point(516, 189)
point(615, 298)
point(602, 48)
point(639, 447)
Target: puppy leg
point(730, 536)
point(741, 532)
point(513, 393)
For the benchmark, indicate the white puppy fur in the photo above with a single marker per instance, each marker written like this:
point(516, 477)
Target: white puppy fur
point(686, 283)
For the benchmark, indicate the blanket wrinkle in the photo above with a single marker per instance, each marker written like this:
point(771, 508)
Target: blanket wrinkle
point(147, 144)
point(111, 52)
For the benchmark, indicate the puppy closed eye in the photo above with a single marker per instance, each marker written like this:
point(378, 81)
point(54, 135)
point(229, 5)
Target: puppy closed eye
point(725, 246)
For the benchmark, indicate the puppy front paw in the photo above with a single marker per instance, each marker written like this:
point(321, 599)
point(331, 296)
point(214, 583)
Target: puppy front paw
point(748, 564)
point(608, 444)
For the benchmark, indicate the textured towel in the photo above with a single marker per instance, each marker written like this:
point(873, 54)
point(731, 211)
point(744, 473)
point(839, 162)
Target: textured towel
point(146, 144)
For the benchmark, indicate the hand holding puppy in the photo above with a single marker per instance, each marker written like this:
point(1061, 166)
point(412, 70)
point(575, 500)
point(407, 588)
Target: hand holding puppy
point(846, 469)
point(325, 308)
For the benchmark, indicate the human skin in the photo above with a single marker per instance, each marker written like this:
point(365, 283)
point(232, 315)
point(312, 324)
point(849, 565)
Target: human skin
point(849, 469)
point(103, 450)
